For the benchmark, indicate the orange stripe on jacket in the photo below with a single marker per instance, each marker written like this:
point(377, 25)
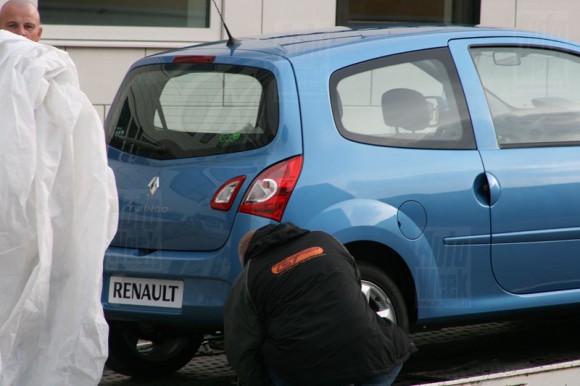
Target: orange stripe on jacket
point(295, 259)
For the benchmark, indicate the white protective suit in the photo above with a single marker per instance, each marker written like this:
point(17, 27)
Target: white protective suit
point(58, 213)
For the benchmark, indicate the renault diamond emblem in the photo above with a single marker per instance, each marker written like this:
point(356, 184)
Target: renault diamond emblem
point(153, 186)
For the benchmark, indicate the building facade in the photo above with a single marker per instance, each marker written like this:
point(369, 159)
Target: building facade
point(104, 37)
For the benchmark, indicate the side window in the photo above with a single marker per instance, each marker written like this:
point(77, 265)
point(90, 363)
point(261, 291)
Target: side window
point(533, 94)
point(409, 100)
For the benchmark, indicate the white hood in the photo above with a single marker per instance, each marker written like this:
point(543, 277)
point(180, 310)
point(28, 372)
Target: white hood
point(58, 213)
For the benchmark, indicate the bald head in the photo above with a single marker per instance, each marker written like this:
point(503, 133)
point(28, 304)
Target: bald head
point(22, 18)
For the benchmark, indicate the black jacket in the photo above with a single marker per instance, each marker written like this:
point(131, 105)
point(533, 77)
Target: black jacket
point(297, 307)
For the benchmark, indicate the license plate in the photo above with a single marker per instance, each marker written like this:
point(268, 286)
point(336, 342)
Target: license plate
point(145, 292)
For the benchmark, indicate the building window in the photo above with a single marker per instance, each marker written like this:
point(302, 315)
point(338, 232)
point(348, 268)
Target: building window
point(361, 12)
point(128, 23)
point(151, 13)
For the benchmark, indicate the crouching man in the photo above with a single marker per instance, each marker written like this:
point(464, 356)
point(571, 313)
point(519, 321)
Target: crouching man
point(296, 315)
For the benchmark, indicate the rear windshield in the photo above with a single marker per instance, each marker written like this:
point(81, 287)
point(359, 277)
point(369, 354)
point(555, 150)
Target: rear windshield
point(183, 110)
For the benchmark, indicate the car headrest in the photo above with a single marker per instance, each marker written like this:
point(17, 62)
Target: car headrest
point(406, 109)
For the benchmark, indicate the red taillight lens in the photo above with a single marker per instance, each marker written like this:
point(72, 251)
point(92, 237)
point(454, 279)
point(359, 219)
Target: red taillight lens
point(193, 59)
point(270, 192)
point(226, 194)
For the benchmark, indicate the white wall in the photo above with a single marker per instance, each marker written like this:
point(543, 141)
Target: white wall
point(555, 17)
point(254, 17)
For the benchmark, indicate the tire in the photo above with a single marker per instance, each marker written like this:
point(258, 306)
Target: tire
point(151, 355)
point(383, 294)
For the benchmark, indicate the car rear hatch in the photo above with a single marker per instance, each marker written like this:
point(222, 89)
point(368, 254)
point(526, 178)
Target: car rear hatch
point(187, 125)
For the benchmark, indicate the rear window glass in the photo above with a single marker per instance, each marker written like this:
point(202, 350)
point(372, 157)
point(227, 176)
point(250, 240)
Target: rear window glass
point(184, 110)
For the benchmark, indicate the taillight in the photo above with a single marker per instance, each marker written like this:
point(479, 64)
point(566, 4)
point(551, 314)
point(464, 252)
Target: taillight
point(270, 192)
point(226, 194)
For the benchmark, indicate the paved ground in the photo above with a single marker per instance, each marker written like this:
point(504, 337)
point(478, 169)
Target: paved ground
point(461, 352)
point(204, 370)
point(446, 354)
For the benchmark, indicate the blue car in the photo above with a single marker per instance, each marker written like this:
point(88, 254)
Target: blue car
point(446, 159)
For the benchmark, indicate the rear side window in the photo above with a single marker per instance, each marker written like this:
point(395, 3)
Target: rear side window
point(182, 110)
point(411, 100)
point(533, 94)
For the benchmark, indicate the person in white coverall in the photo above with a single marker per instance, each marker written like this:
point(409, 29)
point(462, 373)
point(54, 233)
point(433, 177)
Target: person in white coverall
point(58, 213)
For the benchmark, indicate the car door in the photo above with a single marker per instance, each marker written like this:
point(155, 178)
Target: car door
point(531, 89)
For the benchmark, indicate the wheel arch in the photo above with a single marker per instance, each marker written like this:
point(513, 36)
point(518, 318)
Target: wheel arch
point(370, 231)
point(393, 265)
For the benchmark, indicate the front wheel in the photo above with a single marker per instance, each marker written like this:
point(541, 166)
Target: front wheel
point(139, 353)
point(383, 295)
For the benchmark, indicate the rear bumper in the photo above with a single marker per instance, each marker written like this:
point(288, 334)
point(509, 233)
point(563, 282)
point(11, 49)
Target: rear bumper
point(206, 277)
point(206, 281)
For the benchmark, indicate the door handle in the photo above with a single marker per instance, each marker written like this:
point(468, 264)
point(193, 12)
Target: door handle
point(487, 189)
point(494, 188)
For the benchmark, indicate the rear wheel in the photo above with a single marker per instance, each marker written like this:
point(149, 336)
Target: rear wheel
point(138, 352)
point(383, 295)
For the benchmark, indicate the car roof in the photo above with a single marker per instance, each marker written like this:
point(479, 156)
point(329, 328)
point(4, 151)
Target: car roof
point(301, 43)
